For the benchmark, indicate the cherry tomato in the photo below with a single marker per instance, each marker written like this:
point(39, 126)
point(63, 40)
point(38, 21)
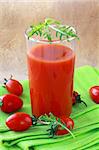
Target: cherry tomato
point(77, 98)
point(69, 124)
point(10, 103)
point(75, 94)
point(61, 132)
point(19, 121)
point(94, 93)
point(13, 86)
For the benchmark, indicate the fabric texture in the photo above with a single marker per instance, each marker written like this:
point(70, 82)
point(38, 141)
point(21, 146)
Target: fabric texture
point(86, 120)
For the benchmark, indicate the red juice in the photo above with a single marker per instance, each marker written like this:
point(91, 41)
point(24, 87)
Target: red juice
point(51, 69)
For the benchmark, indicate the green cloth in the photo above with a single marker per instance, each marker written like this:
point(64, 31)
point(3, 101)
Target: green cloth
point(86, 121)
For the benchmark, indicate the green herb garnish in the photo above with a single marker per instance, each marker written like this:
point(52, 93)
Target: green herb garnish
point(44, 29)
point(54, 123)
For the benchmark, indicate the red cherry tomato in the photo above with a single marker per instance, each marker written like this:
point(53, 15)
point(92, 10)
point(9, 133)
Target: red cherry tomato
point(19, 121)
point(94, 93)
point(73, 100)
point(69, 124)
point(76, 98)
point(13, 86)
point(75, 94)
point(61, 132)
point(10, 103)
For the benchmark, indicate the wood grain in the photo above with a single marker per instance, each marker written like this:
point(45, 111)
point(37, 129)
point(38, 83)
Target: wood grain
point(15, 17)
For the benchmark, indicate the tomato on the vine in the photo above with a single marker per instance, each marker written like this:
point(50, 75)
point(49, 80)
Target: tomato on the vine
point(68, 122)
point(76, 98)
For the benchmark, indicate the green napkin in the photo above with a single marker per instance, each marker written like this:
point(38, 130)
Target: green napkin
point(86, 121)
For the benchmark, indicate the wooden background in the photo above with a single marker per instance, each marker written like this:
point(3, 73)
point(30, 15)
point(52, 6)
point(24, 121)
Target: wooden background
point(15, 17)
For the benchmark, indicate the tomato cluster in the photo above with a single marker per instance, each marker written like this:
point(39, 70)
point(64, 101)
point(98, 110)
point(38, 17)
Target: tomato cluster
point(20, 121)
point(11, 102)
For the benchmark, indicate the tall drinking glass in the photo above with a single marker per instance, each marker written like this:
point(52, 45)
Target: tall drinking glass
point(50, 70)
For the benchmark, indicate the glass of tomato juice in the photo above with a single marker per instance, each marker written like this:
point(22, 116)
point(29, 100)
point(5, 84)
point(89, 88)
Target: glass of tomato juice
point(50, 70)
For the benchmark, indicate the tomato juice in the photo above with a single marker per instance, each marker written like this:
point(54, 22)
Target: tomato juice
point(51, 69)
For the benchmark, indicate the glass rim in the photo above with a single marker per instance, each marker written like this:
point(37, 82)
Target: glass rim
point(47, 42)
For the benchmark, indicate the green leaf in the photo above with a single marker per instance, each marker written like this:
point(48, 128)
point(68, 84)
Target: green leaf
point(1, 103)
point(56, 33)
point(51, 21)
point(59, 120)
point(40, 32)
point(52, 116)
point(49, 37)
point(36, 33)
point(61, 36)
